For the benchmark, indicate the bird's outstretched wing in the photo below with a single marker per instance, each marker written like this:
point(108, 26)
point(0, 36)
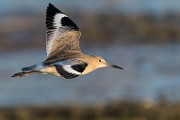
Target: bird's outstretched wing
point(70, 68)
point(62, 40)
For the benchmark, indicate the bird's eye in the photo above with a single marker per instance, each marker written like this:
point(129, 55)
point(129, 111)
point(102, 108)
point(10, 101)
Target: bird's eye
point(100, 61)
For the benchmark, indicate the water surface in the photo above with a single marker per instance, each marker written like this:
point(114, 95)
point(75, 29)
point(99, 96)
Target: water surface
point(151, 74)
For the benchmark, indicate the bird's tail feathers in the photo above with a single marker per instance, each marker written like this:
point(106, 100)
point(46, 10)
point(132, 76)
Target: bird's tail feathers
point(29, 70)
point(33, 67)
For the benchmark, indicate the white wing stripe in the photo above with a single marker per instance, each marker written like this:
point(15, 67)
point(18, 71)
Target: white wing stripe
point(61, 32)
point(49, 43)
point(57, 20)
point(70, 70)
point(57, 25)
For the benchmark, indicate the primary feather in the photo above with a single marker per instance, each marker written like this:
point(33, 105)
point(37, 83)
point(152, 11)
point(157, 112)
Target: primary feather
point(62, 33)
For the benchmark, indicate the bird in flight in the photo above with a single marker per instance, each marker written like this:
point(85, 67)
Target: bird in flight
point(64, 57)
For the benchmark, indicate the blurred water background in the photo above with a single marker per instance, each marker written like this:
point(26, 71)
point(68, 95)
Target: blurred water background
point(142, 36)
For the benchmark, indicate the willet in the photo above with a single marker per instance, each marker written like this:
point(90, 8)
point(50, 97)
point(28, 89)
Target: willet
point(64, 57)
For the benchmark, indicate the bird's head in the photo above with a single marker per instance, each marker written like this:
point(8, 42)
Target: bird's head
point(100, 62)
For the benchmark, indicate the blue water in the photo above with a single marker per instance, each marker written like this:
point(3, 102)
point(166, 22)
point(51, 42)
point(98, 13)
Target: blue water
point(128, 6)
point(151, 74)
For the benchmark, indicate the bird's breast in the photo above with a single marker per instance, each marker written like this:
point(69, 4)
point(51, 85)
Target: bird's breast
point(88, 70)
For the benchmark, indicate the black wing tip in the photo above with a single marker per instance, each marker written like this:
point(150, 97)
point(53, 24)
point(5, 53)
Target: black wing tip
point(65, 21)
point(50, 4)
point(51, 8)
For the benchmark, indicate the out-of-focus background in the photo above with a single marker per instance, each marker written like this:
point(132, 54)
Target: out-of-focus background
point(143, 36)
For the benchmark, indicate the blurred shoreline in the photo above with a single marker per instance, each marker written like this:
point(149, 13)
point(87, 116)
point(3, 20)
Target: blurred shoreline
point(28, 31)
point(111, 111)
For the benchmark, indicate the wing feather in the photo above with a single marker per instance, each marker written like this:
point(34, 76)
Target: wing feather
point(70, 68)
point(62, 33)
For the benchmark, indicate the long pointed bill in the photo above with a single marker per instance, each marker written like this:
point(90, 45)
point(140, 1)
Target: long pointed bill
point(115, 66)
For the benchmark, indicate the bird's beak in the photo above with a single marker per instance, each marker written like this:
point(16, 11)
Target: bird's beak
point(115, 66)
